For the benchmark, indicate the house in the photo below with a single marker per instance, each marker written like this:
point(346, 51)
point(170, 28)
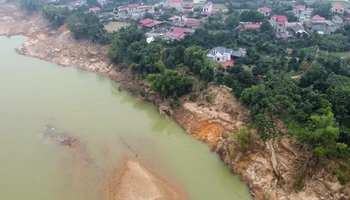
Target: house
point(223, 55)
point(323, 26)
point(296, 28)
point(337, 20)
point(173, 20)
point(302, 12)
point(187, 8)
point(244, 26)
point(178, 33)
point(158, 32)
point(132, 8)
point(208, 9)
point(279, 23)
point(265, 11)
point(347, 19)
point(95, 10)
point(149, 23)
point(193, 23)
point(134, 11)
point(347, 10)
point(338, 8)
point(177, 4)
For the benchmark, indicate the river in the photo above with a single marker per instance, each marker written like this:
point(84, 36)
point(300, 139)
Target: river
point(36, 95)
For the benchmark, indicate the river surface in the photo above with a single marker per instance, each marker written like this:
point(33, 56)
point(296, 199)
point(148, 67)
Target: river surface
point(36, 95)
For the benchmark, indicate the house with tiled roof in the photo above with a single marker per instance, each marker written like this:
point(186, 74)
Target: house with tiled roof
point(192, 23)
point(95, 10)
point(279, 23)
point(208, 9)
point(265, 11)
point(149, 23)
point(323, 26)
point(173, 20)
point(338, 8)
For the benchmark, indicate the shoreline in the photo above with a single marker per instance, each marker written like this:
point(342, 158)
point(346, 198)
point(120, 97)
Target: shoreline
point(211, 122)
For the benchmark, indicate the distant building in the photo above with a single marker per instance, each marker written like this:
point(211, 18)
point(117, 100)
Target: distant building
point(245, 26)
point(265, 11)
point(208, 9)
point(296, 28)
point(223, 55)
point(134, 11)
point(173, 20)
point(338, 8)
point(177, 4)
point(302, 12)
point(187, 8)
point(323, 26)
point(279, 23)
point(95, 10)
point(193, 23)
point(149, 23)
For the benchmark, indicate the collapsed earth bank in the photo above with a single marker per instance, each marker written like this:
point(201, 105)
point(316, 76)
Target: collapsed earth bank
point(270, 169)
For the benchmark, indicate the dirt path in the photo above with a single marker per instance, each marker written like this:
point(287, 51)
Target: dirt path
point(211, 122)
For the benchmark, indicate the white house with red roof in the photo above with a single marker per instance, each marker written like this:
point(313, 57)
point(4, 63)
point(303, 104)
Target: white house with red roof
point(177, 4)
point(338, 8)
point(187, 8)
point(133, 8)
point(208, 9)
point(279, 23)
point(265, 11)
point(134, 11)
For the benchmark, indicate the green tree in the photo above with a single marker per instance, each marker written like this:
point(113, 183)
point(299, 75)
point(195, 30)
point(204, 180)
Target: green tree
point(259, 99)
point(197, 63)
point(55, 15)
point(31, 5)
point(231, 21)
point(251, 16)
point(170, 83)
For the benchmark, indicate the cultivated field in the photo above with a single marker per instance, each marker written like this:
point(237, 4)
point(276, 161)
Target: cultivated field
point(115, 26)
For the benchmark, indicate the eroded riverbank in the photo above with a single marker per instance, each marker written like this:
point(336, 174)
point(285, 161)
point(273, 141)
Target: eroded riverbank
point(210, 122)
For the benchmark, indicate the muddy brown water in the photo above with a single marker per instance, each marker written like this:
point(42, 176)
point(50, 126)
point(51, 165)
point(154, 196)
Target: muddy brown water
point(42, 103)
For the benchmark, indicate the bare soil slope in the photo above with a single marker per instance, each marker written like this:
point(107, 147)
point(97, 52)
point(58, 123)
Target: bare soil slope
point(268, 168)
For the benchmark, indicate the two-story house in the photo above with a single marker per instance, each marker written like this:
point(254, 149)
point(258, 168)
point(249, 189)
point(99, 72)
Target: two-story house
point(208, 9)
point(279, 23)
point(265, 11)
point(338, 8)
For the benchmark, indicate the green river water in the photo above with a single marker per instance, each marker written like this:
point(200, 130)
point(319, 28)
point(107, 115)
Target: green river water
point(88, 106)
